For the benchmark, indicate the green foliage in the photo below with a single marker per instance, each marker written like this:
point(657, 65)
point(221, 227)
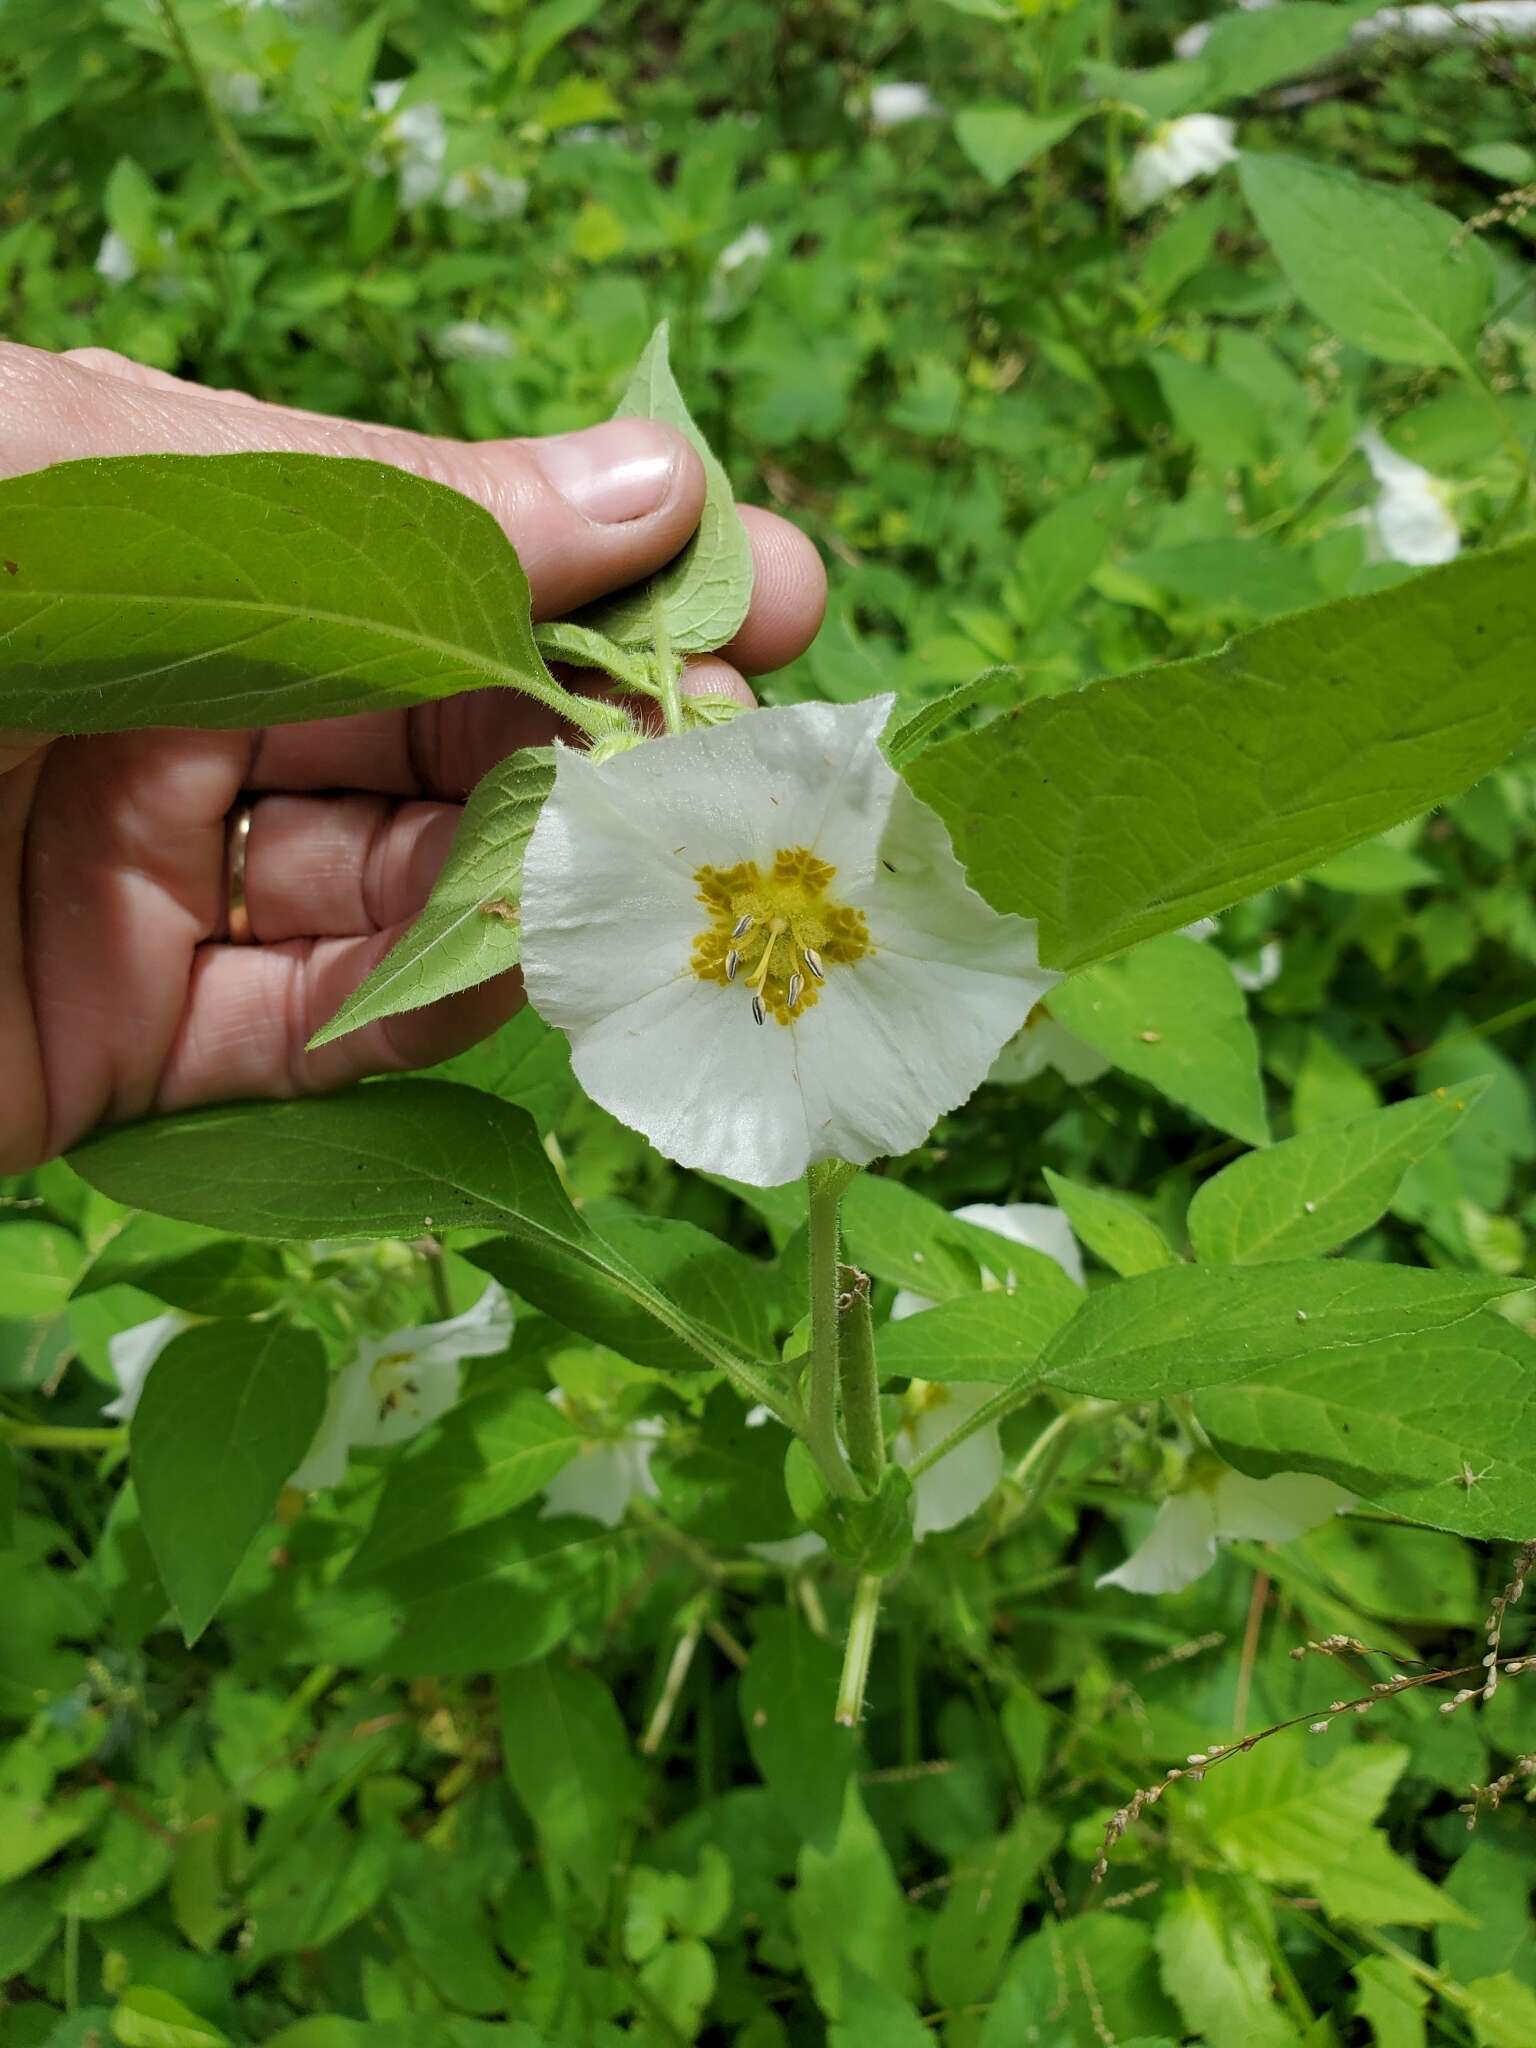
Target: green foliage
point(513, 1738)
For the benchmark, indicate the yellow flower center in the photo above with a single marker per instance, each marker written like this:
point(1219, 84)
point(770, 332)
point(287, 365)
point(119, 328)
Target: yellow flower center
point(776, 935)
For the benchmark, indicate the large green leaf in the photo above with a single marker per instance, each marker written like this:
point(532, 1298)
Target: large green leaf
point(1131, 807)
point(231, 590)
point(997, 1337)
point(1001, 139)
point(788, 1692)
point(1125, 1239)
point(226, 1414)
point(471, 925)
point(1247, 51)
point(394, 1159)
point(1321, 1189)
point(1439, 1427)
point(1197, 1326)
point(1382, 267)
point(1171, 1014)
point(704, 593)
point(899, 1235)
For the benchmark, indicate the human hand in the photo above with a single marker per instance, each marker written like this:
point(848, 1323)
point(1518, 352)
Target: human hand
point(120, 992)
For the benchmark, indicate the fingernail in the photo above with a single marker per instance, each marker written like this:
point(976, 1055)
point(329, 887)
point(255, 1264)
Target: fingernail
point(621, 470)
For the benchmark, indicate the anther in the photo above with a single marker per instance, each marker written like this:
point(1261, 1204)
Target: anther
point(812, 960)
point(758, 1012)
point(742, 925)
point(796, 989)
point(732, 962)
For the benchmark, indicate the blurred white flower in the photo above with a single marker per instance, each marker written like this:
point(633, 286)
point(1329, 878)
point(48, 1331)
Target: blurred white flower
point(486, 194)
point(239, 92)
point(1044, 1045)
point(398, 1384)
point(115, 261)
point(607, 1474)
point(738, 270)
point(890, 106)
point(417, 137)
point(132, 1352)
point(1264, 971)
point(1039, 1225)
point(1220, 1505)
point(1507, 21)
point(472, 340)
point(788, 1551)
point(960, 1483)
point(762, 947)
point(1412, 520)
point(1176, 153)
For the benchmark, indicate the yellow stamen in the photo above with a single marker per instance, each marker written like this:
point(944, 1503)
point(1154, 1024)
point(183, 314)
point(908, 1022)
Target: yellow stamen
point(777, 934)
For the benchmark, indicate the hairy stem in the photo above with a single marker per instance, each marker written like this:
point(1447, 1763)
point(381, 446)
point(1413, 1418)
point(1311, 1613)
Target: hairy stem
point(824, 1192)
point(859, 1377)
point(667, 669)
point(233, 148)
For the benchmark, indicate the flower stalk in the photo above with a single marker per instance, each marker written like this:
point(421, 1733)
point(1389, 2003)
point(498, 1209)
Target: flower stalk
point(860, 1646)
point(668, 672)
point(59, 1436)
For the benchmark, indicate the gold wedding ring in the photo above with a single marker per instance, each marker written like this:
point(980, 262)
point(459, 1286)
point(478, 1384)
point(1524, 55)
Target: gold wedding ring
point(238, 917)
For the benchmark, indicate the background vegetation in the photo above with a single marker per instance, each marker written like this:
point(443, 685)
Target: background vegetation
point(1027, 426)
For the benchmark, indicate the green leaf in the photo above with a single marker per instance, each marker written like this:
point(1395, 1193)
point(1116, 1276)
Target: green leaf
point(995, 1337)
point(1135, 805)
point(39, 1263)
point(1317, 1191)
point(394, 1159)
point(1283, 1817)
point(482, 1460)
point(231, 590)
point(1214, 1964)
point(1436, 1427)
point(1001, 139)
point(1210, 410)
point(705, 591)
point(145, 2017)
point(568, 1757)
point(8, 1491)
point(1171, 1014)
point(227, 1413)
point(205, 1272)
point(980, 1911)
point(898, 1235)
point(1198, 1326)
point(1127, 1241)
point(1382, 267)
point(470, 927)
point(788, 1691)
point(849, 1912)
point(903, 742)
point(1066, 544)
point(1245, 52)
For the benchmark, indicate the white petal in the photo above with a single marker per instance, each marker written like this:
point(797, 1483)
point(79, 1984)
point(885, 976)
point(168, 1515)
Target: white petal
point(1274, 1510)
point(486, 194)
point(1265, 970)
point(1039, 1225)
point(1044, 1044)
point(1179, 1548)
point(909, 1304)
point(1177, 153)
point(473, 340)
point(480, 1332)
point(752, 245)
point(131, 1353)
point(115, 261)
point(960, 1483)
point(890, 106)
point(600, 1484)
point(345, 1419)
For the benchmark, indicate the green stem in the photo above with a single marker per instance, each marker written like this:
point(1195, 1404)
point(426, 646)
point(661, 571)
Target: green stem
point(233, 148)
point(1040, 1463)
point(861, 1642)
point(57, 1436)
point(667, 670)
point(859, 1377)
point(824, 1194)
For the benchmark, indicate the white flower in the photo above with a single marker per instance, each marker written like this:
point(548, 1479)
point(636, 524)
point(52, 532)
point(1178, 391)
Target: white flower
point(419, 140)
point(1220, 1505)
point(890, 106)
point(1478, 21)
point(954, 1488)
point(132, 1352)
point(1036, 1224)
point(1264, 972)
point(600, 1483)
point(1412, 520)
point(738, 270)
point(239, 92)
point(397, 1384)
point(472, 340)
point(115, 261)
point(762, 947)
point(486, 194)
point(1176, 153)
point(788, 1551)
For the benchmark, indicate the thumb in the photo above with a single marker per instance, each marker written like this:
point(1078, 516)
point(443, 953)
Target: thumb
point(588, 512)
